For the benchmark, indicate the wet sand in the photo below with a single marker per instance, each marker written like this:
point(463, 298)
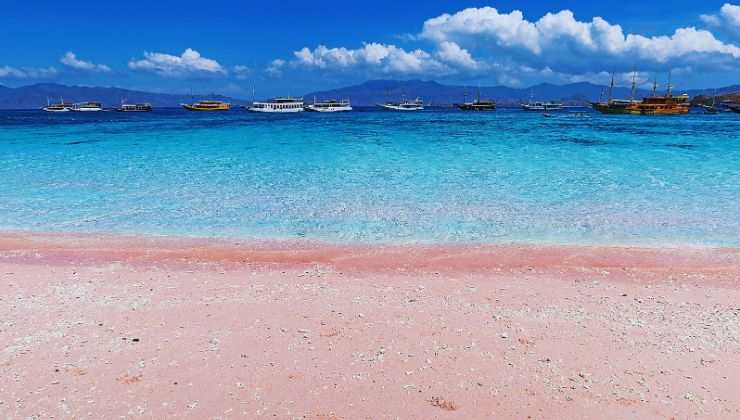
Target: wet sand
point(143, 327)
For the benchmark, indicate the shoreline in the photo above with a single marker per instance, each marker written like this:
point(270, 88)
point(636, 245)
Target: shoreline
point(61, 248)
point(109, 326)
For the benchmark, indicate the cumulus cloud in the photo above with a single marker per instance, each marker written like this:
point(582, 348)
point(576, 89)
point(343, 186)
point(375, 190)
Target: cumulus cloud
point(374, 57)
point(452, 53)
point(27, 73)
point(727, 19)
point(564, 43)
point(509, 47)
point(70, 60)
point(189, 63)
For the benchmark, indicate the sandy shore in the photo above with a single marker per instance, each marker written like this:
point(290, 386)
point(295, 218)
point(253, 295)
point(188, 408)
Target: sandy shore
point(129, 327)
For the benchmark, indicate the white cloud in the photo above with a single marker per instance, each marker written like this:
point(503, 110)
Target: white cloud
point(562, 42)
point(728, 18)
point(275, 69)
point(27, 73)
point(484, 42)
point(70, 60)
point(450, 52)
point(383, 58)
point(189, 63)
point(731, 13)
point(711, 20)
point(241, 72)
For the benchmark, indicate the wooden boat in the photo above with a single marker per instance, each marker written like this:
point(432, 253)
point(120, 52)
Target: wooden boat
point(208, 106)
point(478, 104)
point(667, 104)
point(660, 105)
point(616, 106)
point(58, 107)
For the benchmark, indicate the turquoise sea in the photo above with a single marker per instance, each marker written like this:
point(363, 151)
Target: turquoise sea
point(375, 176)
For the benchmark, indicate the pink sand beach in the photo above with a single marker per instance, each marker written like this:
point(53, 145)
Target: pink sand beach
point(144, 327)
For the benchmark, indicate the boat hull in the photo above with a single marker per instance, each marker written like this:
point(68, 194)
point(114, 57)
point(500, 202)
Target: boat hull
point(311, 108)
point(542, 108)
point(605, 108)
point(275, 111)
point(55, 110)
point(200, 109)
point(476, 108)
point(400, 108)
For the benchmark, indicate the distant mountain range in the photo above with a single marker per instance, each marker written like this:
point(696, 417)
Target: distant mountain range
point(365, 94)
point(379, 91)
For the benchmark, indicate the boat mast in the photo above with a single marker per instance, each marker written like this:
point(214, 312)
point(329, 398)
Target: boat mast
point(611, 88)
point(634, 86)
point(669, 88)
point(655, 85)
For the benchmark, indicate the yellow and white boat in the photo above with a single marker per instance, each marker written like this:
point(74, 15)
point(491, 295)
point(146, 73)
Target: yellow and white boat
point(208, 106)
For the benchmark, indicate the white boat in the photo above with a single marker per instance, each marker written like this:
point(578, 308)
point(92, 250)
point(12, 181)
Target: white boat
point(542, 106)
point(59, 107)
point(404, 105)
point(278, 105)
point(87, 107)
point(145, 107)
point(331, 105)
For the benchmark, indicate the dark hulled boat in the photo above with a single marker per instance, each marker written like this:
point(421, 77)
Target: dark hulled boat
point(616, 106)
point(478, 104)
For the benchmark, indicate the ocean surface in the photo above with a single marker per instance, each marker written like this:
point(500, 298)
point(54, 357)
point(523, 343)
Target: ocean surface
point(437, 176)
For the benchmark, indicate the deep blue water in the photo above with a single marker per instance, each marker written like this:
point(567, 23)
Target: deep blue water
point(437, 175)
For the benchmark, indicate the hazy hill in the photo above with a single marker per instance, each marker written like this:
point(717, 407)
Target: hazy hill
point(378, 91)
point(369, 93)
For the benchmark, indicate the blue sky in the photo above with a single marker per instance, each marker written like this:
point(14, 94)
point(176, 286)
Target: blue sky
point(292, 47)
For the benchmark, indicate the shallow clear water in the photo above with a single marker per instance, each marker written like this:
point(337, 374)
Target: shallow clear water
point(440, 176)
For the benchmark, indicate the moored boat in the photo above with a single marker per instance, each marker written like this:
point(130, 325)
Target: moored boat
point(87, 107)
point(667, 104)
point(331, 105)
point(712, 108)
point(478, 104)
point(542, 106)
point(58, 107)
point(207, 106)
point(146, 107)
point(616, 106)
point(404, 105)
point(661, 105)
point(284, 104)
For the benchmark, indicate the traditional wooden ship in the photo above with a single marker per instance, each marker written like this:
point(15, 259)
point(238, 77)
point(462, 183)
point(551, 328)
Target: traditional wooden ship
point(478, 104)
point(667, 104)
point(616, 106)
